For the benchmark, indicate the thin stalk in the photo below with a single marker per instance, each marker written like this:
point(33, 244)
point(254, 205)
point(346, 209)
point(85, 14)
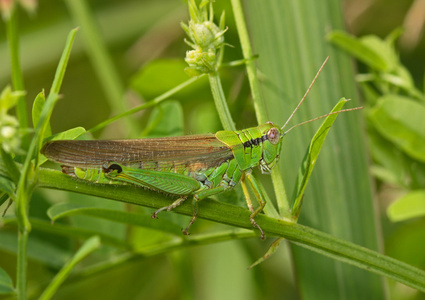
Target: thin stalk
point(21, 197)
point(148, 104)
point(17, 78)
point(237, 216)
point(87, 248)
point(29, 175)
point(21, 276)
point(220, 102)
point(280, 192)
point(251, 69)
point(163, 248)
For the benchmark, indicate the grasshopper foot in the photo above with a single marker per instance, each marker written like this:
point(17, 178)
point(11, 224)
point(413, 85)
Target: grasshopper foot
point(262, 235)
point(186, 230)
point(169, 207)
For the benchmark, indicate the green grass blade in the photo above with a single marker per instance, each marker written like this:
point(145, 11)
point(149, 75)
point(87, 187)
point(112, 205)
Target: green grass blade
point(129, 218)
point(88, 247)
point(311, 157)
point(290, 36)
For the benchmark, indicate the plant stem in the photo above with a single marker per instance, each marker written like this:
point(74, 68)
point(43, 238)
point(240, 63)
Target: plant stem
point(21, 196)
point(251, 68)
point(21, 276)
point(17, 78)
point(220, 102)
point(306, 237)
point(163, 248)
point(29, 175)
point(280, 192)
point(88, 247)
point(148, 104)
point(260, 111)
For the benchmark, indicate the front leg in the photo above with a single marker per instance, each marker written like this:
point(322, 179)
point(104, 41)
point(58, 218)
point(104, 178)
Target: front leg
point(260, 198)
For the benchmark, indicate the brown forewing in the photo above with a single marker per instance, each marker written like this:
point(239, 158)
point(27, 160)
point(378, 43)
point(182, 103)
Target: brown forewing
point(200, 150)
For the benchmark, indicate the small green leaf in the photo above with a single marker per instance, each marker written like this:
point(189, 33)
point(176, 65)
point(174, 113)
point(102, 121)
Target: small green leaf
point(60, 70)
point(150, 81)
point(269, 252)
point(10, 165)
point(409, 206)
point(166, 119)
point(364, 50)
point(7, 185)
point(6, 284)
point(69, 134)
point(389, 157)
point(384, 49)
point(3, 198)
point(310, 158)
point(9, 99)
point(37, 107)
point(401, 120)
point(67, 209)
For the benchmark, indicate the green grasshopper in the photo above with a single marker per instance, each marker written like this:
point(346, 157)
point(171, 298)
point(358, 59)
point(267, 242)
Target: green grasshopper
point(195, 165)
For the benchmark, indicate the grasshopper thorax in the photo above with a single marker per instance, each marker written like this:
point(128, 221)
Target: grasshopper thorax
point(271, 146)
point(256, 146)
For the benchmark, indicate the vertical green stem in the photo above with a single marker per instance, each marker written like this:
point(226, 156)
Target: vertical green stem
point(251, 68)
point(24, 191)
point(17, 79)
point(21, 276)
point(280, 191)
point(220, 102)
point(279, 188)
point(21, 111)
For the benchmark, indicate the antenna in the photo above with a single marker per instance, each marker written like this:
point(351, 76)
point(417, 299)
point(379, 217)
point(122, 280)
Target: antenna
point(305, 95)
point(324, 116)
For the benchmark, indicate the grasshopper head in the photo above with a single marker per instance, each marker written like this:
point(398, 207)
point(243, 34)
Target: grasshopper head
point(272, 144)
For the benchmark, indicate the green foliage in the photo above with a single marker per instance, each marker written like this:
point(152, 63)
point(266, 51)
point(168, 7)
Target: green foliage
point(122, 239)
point(310, 159)
point(409, 206)
point(6, 284)
point(395, 111)
point(10, 134)
point(88, 247)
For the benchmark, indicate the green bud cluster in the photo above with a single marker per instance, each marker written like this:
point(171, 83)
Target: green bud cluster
point(206, 39)
point(10, 133)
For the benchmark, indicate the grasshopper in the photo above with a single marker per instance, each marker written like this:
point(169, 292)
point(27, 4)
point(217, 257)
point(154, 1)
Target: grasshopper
point(195, 165)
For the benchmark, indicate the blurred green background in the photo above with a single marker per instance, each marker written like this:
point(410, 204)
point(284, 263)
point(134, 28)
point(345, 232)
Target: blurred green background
point(145, 42)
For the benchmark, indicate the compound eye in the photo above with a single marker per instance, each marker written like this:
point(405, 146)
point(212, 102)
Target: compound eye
point(273, 136)
point(113, 167)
